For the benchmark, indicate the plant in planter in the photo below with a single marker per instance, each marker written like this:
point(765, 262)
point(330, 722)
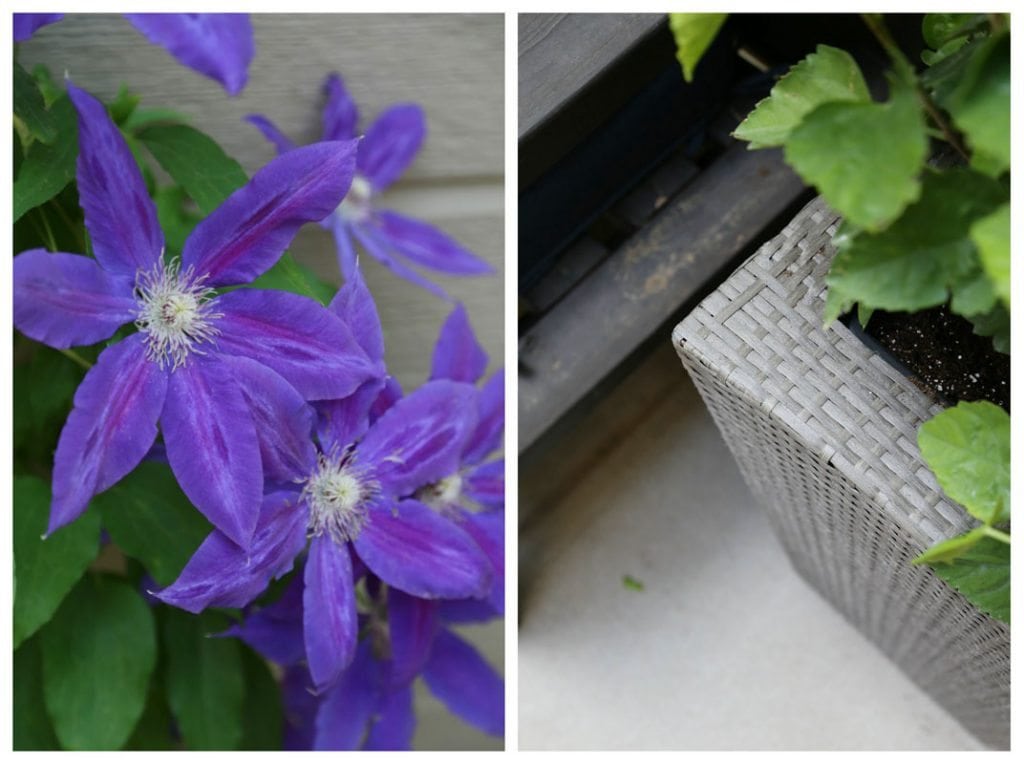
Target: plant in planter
point(915, 234)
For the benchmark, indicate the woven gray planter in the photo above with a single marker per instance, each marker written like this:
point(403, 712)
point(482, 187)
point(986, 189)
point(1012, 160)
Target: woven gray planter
point(825, 433)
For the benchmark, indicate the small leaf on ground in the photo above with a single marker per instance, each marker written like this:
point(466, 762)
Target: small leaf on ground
point(47, 570)
point(864, 158)
point(968, 449)
point(634, 584)
point(693, 33)
point(98, 654)
point(982, 575)
point(825, 76)
point(150, 519)
point(204, 680)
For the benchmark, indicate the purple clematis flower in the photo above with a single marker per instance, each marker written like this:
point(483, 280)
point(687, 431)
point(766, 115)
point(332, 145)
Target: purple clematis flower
point(218, 45)
point(389, 146)
point(219, 373)
point(356, 503)
point(370, 707)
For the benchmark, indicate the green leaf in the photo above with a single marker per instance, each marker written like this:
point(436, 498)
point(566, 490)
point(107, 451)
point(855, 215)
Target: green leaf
point(991, 235)
point(153, 732)
point(176, 219)
point(151, 520)
point(828, 75)
point(982, 575)
point(123, 105)
point(205, 685)
point(634, 584)
point(47, 169)
point(47, 570)
point(196, 163)
point(968, 449)
point(864, 158)
point(693, 33)
point(980, 105)
point(914, 263)
point(32, 728)
point(98, 654)
point(932, 57)
point(950, 549)
point(142, 118)
point(30, 108)
point(941, 28)
point(287, 275)
point(994, 324)
point(47, 87)
point(972, 293)
point(263, 712)
point(44, 385)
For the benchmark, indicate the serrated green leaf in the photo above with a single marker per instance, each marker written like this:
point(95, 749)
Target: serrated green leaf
point(826, 76)
point(150, 519)
point(864, 158)
point(204, 680)
point(916, 261)
point(991, 235)
point(968, 449)
point(47, 570)
point(950, 549)
point(47, 169)
point(693, 33)
point(98, 654)
point(982, 575)
point(196, 163)
point(980, 104)
point(32, 728)
point(30, 108)
point(287, 275)
point(263, 712)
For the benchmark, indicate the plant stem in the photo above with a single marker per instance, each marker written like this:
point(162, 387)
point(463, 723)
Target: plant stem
point(51, 241)
point(881, 32)
point(67, 221)
point(997, 534)
point(77, 358)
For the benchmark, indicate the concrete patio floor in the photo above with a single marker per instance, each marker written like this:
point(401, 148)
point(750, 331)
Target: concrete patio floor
point(725, 647)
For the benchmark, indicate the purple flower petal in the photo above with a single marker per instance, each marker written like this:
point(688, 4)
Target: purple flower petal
point(26, 24)
point(300, 707)
point(329, 620)
point(419, 440)
point(412, 623)
point(218, 45)
point(427, 246)
point(284, 421)
point(222, 574)
point(488, 531)
point(281, 141)
point(354, 305)
point(275, 631)
point(65, 300)
point(486, 484)
point(467, 611)
point(379, 249)
point(296, 337)
point(346, 710)
point(457, 355)
point(388, 397)
point(247, 233)
point(490, 426)
point(461, 679)
point(395, 723)
point(119, 214)
point(348, 263)
point(391, 144)
point(416, 550)
point(212, 447)
point(345, 420)
point(110, 428)
point(340, 112)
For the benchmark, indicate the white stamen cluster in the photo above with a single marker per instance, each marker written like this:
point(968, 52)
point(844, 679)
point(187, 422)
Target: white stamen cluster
point(444, 495)
point(337, 495)
point(174, 313)
point(357, 204)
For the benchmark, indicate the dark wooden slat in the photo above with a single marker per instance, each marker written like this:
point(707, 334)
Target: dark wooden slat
point(646, 282)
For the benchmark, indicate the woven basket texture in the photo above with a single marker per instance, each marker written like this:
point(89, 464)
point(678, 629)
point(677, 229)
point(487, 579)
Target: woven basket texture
point(825, 433)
